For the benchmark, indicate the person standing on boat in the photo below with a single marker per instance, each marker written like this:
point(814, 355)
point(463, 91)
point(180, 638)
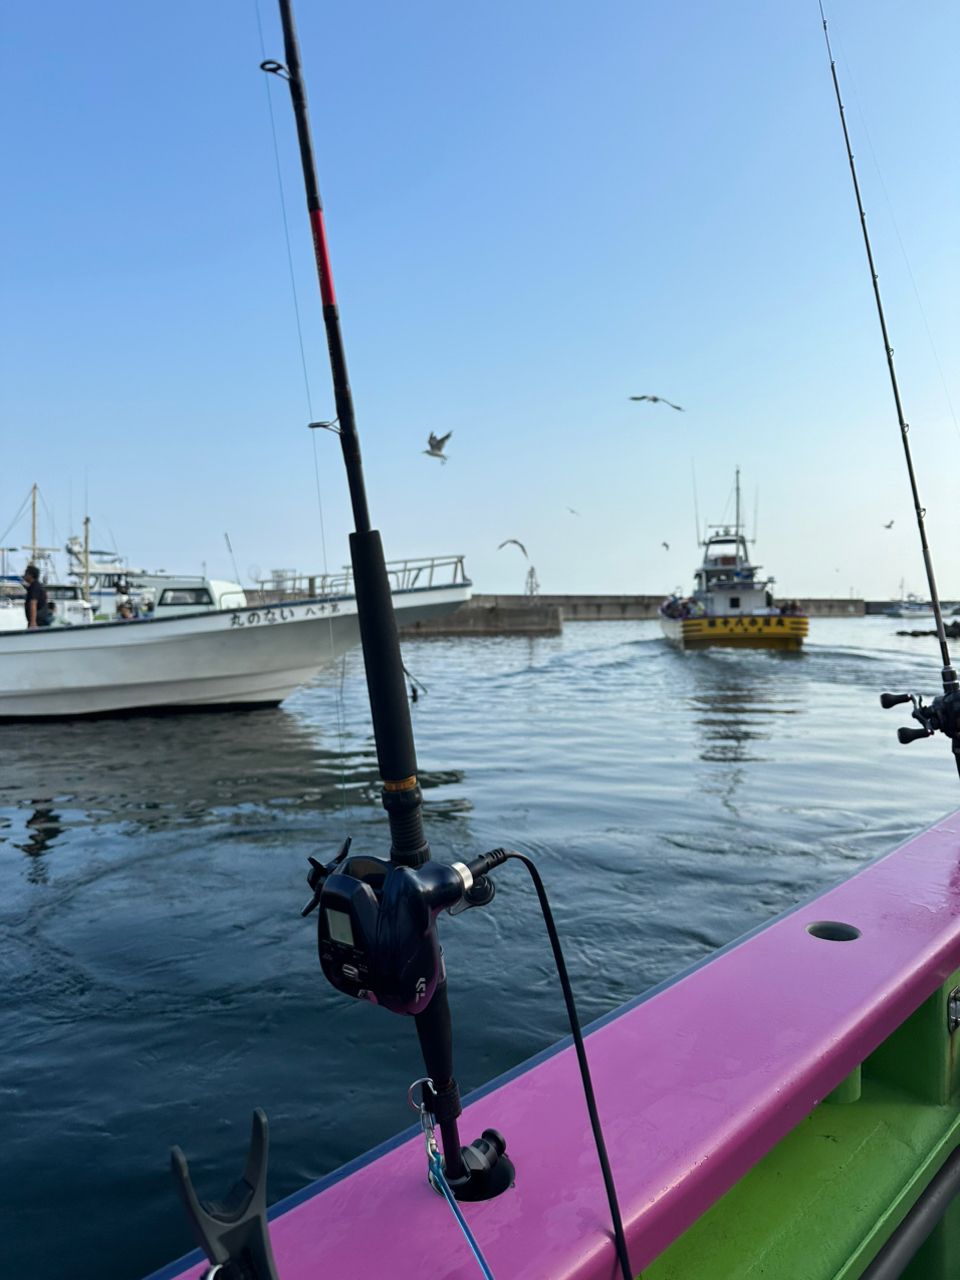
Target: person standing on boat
point(35, 605)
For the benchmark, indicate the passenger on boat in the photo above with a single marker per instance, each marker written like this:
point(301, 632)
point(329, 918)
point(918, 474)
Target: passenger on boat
point(35, 605)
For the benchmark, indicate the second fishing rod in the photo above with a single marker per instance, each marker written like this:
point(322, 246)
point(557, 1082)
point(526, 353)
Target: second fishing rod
point(943, 714)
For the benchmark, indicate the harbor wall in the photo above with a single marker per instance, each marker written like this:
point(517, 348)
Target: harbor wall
point(484, 615)
point(545, 614)
point(584, 608)
point(615, 608)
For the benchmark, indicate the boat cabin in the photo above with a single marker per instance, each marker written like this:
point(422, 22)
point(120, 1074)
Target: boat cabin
point(190, 595)
point(726, 582)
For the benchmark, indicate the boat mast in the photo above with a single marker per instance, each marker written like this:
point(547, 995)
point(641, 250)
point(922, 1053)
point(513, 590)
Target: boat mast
point(738, 518)
point(33, 524)
point(86, 558)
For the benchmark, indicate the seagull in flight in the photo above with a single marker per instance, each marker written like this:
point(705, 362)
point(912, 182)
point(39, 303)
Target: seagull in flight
point(889, 526)
point(665, 545)
point(513, 542)
point(572, 512)
point(660, 400)
point(436, 444)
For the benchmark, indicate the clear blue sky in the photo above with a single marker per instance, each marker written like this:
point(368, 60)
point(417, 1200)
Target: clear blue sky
point(535, 209)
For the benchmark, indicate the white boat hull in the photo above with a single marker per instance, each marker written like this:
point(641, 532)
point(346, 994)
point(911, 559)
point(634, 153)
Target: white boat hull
point(233, 658)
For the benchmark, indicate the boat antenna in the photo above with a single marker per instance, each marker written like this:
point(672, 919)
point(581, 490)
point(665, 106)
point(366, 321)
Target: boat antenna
point(943, 713)
point(696, 505)
point(236, 571)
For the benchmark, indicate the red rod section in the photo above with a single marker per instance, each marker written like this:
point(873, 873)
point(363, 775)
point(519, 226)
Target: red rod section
point(322, 253)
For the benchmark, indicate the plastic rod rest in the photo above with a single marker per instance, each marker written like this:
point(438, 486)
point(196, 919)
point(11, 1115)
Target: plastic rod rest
point(233, 1231)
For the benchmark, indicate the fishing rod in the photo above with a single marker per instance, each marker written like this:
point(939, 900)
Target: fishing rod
point(393, 732)
point(943, 713)
point(377, 934)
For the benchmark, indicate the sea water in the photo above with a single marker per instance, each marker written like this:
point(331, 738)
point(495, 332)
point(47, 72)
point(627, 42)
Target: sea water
point(157, 982)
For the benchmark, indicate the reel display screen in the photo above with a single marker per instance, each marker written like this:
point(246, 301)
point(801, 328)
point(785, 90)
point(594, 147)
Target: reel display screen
point(339, 927)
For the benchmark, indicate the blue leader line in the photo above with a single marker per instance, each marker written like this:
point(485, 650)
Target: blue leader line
point(438, 1178)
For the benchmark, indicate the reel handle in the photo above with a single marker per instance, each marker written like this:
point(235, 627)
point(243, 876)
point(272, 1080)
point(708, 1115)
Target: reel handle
point(905, 735)
point(888, 700)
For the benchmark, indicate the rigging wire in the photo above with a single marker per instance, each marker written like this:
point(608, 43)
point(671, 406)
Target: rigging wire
point(309, 396)
point(948, 674)
point(23, 507)
point(53, 523)
point(723, 518)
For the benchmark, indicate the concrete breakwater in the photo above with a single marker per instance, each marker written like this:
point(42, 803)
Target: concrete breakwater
point(487, 616)
point(544, 614)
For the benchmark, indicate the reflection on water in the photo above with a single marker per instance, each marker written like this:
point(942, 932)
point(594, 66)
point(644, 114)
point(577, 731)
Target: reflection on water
point(184, 769)
point(43, 826)
point(158, 981)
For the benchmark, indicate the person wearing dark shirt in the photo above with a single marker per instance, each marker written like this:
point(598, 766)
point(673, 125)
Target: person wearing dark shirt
point(35, 605)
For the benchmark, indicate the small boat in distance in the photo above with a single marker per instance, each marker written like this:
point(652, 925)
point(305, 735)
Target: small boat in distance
point(910, 606)
point(731, 605)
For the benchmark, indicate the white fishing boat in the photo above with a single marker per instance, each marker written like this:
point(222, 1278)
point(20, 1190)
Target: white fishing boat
point(732, 605)
point(194, 655)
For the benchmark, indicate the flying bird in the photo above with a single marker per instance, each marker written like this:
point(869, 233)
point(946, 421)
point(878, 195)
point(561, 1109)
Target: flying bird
point(572, 512)
point(889, 526)
point(513, 542)
point(661, 400)
point(436, 444)
point(665, 545)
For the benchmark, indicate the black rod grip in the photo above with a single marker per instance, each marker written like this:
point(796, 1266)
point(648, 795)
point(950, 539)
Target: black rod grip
point(435, 1033)
point(392, 729)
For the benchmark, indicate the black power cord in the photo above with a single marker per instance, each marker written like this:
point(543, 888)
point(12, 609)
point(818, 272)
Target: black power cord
point(479, 867)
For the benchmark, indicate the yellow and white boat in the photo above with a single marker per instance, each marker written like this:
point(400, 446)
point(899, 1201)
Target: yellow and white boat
point(731, 604)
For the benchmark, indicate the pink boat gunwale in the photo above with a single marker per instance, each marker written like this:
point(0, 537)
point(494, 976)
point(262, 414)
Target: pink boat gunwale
point(696, 1081)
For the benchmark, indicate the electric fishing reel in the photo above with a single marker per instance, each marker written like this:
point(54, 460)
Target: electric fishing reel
point(942, 715)
point(376, 930)
point(377, 941)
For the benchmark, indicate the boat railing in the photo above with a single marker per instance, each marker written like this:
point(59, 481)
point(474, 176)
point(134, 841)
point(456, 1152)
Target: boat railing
point(403, 575)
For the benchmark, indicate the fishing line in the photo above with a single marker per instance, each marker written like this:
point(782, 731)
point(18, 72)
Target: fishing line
point(306, 385)
point(286, 228)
